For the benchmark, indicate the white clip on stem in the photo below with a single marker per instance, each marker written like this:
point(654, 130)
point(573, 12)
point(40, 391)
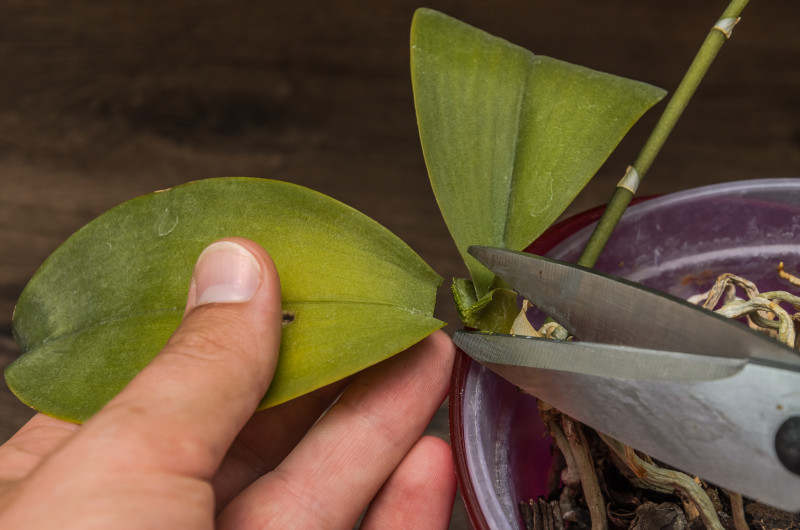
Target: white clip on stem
point(631, 180)
point(725, 25)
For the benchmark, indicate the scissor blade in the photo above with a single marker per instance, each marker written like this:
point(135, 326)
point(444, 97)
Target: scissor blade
point(511, 355)
point(722, 428)
point(605, 309)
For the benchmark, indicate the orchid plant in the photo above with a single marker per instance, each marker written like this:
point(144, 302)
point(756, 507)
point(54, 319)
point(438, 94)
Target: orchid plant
point(509, 138)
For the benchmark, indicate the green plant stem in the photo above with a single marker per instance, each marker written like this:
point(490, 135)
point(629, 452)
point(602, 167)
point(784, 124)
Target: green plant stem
point(687, 87)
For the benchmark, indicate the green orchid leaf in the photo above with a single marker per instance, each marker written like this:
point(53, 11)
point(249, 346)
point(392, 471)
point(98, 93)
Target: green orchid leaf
point(509, 137)
point(105, 302)
point(495, 311)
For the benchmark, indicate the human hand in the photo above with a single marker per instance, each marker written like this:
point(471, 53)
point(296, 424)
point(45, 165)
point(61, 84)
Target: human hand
point(180, 446)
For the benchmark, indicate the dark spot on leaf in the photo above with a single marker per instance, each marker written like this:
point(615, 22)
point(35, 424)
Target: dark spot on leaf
point(287, 318)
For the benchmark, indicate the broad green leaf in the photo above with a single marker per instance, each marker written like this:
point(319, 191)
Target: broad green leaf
point(106, 301)
point(496, 311)
point(509, 137)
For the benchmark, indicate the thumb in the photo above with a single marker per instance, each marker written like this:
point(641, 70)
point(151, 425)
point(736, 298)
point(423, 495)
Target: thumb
point(182, 412)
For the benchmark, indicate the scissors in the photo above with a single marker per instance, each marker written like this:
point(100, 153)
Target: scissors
point(695, 390)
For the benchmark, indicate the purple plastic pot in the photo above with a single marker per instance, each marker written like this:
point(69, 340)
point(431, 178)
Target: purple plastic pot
point(677, 243)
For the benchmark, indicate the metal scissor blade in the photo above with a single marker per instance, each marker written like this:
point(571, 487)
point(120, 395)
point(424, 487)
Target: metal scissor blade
point(511, 355)
point(600, 308)
point(722, 429)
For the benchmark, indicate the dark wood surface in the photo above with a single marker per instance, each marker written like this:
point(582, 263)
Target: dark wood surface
point(104, 101)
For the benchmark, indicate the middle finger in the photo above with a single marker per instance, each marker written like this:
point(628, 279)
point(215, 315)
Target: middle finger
point(333, 473)
point(267, 438)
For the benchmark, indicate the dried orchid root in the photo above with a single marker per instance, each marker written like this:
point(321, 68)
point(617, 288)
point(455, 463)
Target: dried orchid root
point(583, 459)
point(650, 476)
point(541, 515)
point(737, 512)
point(791, 278)
point(764, 311)
point(569, 474)
point(579, 475)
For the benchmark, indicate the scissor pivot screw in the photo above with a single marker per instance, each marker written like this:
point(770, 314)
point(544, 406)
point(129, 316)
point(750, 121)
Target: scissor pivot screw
point(787, 444)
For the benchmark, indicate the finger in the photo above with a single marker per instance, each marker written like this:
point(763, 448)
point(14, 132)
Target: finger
point(39, 437)
point(420, 492)
point(260, 447)
point(343, 461)
point(181, 413)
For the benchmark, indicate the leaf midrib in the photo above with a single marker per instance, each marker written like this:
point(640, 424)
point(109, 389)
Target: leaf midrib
point(517, 127)
point(54, 338)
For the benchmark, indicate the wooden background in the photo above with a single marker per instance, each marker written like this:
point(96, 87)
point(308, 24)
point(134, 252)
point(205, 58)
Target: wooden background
point(104, 101)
